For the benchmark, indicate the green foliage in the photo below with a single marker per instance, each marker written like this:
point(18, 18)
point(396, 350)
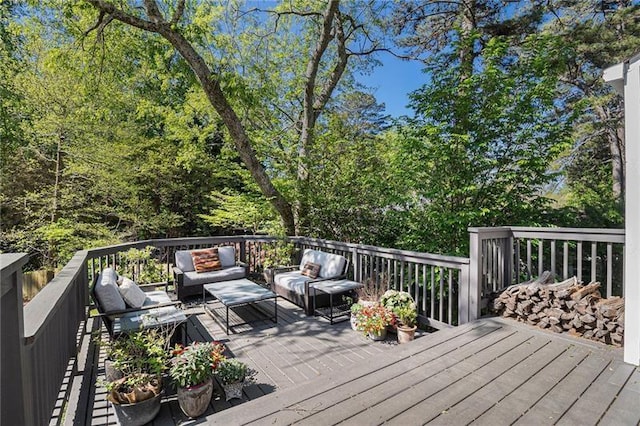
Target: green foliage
point(245, 212)
point(231, 370)
point(480, 154)
point(142, 352)
point(193, 364)
point(141, 266)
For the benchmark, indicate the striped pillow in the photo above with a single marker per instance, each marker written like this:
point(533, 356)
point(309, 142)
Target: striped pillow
point(311, 270)
point(206, 260)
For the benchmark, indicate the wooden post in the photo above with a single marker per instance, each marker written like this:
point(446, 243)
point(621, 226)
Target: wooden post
point(470, 298)
point(13, 386)
point(625, 78)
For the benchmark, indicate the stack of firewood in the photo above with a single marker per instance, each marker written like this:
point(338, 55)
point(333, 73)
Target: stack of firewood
point(567, 306)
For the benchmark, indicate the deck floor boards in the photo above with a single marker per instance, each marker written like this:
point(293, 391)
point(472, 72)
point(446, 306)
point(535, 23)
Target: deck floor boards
point(491, 371)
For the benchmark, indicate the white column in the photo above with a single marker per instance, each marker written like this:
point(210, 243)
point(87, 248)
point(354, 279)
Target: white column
point(625, 78)
point(632, 213)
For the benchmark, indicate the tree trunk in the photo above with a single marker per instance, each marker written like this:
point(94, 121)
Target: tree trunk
point(56, 185)
point(212, 89)
point(615, 140)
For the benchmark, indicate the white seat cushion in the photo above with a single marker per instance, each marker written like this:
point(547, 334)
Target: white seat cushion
point(106, 290)
point(225, 274)
point(292, 281)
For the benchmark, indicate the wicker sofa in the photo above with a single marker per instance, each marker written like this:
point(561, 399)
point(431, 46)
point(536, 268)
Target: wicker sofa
point(290, 283)
point(188, 282)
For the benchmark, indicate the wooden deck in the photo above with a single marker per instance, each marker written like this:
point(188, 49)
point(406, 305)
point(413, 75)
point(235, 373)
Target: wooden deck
point(491, 371)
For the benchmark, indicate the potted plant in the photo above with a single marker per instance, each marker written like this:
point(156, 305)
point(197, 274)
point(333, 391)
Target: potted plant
point(373, 321)
point(407, 323)
point(355, 309)
point(233, 375)
point(369, 294)
point(395, 300)
point(192, 369)
point(134, 367)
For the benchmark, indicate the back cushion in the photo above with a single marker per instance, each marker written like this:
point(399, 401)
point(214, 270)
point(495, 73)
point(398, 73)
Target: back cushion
point(206, 260)
point(227, 256)
point(107, 293)
point(184, 262)
point(331, 265)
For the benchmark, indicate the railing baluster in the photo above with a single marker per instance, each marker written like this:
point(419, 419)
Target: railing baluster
point(424, 289)
point(579, 261)
point(609, 268)
point(594, 257)
point(432, 313)
point(540, 256)
point(516, 269)
point(565, 260)
point(440, 297)
point(450, 298)
point(529, 272)
point(553, 257)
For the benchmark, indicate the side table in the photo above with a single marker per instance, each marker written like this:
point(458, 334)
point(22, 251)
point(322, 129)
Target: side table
point(332, 288)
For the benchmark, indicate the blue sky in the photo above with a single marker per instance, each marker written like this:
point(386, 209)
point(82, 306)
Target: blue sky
point(393, 81)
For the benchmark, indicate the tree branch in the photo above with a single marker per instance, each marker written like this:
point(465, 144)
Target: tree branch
point(177, 15)
point(121, 16)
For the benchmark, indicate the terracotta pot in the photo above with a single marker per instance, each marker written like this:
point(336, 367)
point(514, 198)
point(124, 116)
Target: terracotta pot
point(233, 390)
point(194, 400)
point(406, 334)
point(381, 335)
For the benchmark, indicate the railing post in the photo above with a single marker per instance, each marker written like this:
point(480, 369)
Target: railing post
point(243, 251)
point(14, 383)
point(356, 264)
point(625, 78)
point(470, 299)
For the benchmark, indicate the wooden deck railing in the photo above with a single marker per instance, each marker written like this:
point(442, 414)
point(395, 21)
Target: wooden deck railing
point(40, 344)
point(507, 255)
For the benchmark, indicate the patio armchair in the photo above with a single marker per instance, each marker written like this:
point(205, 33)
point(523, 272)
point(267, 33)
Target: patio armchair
point(188, 282)
point(153, 309)
point(290, 282)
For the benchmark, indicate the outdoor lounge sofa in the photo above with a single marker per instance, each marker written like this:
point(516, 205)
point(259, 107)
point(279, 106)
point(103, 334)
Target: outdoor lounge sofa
point(188, 282)
point(290, 283)
point(152, 309)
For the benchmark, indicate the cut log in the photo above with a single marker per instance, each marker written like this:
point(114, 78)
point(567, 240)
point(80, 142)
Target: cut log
point(587, 289)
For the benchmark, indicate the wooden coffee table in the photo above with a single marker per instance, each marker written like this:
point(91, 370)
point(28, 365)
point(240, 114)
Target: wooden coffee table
point(236, 293)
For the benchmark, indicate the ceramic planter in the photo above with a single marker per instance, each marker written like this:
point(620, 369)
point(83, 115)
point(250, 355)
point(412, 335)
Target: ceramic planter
point(380, 335)
point(233, 390)
point(406, 334)
point(139, 413)
point(194, 400)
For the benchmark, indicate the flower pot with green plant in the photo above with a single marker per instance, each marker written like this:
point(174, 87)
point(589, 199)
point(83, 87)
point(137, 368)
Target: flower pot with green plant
point(406, 323)
point(192, 369)
point(395, 300)
point(134, 367)
point(373, 321)
point(233, 375)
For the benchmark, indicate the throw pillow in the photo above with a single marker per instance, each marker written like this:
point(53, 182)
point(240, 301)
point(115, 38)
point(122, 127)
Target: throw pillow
point(206, 260)
point(311, 270)
point(131, 293)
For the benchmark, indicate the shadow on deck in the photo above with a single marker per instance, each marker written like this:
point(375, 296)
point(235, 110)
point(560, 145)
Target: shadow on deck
point(492, 371)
